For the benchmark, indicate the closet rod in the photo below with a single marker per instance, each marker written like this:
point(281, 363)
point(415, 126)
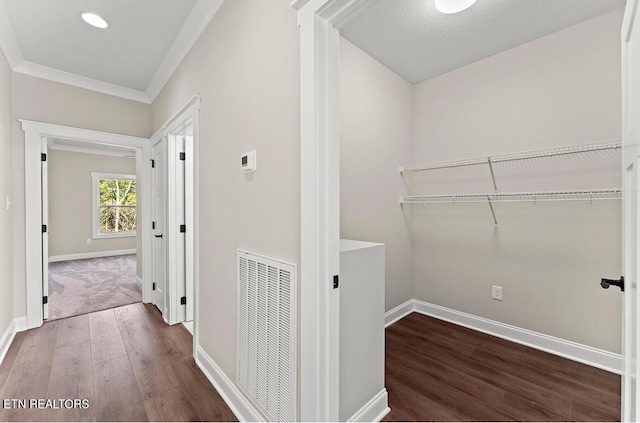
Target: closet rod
point(515, 197)
point(525, 155)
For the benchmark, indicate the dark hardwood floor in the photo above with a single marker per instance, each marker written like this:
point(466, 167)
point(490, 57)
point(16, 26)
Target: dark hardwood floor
point(126, 362)
point(437, 371)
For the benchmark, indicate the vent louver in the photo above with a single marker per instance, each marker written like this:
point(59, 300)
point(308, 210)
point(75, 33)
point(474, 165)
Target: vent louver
point(266, 364)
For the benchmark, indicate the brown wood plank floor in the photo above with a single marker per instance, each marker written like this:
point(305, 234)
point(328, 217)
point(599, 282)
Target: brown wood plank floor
point(126, 362)
point(437, 371)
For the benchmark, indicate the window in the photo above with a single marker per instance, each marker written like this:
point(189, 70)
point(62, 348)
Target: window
point(114, 205)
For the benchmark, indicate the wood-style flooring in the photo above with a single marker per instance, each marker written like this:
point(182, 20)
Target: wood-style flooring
point(126, 362)
point(436, 371)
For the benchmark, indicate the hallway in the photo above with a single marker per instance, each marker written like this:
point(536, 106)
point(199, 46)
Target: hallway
point(126, 362)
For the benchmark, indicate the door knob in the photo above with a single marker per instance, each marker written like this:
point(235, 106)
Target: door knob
point(606, 283)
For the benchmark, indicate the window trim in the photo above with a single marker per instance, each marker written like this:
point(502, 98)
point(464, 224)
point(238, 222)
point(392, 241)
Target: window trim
point(95, 206)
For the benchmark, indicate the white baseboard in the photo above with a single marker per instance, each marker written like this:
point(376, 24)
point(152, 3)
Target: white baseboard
point(138, 281)
point(239, 405)
point(373, 411)
point(188, 326)
point(399, 312)
point(572, 350)
point(96, 254)
point(16, 325)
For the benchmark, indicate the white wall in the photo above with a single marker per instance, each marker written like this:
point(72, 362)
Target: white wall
point(71, 201)
point(6, 217)
point(246, 68)
point(52, 102)
point(375, 137)
point(558, 90)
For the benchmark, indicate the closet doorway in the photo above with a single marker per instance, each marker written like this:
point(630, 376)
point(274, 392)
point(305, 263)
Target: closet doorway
point(321, 25)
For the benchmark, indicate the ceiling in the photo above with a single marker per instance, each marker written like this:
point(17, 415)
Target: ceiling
point(417, 42)
point(133, 58)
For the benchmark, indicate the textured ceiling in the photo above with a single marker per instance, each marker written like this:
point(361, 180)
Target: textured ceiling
point(417, 42)
point(128, 54)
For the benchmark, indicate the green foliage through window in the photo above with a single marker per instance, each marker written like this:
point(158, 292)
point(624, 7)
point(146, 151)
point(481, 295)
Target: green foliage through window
point(117, 205)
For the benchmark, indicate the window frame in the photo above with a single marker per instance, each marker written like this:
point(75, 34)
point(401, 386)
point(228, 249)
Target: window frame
point(95, 179)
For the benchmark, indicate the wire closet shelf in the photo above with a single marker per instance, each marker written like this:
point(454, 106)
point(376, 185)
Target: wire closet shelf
point(509, 157)
point(515, 197)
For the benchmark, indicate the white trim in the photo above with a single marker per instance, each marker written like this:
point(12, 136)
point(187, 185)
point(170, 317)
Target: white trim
point(320, 203)
point(56, 75)
point(404, 309)
point(189, 114)
point(373, 411)
point(197, 21)
point(95, 204)
point(94, 254)
point(34, 132)
point(188, 326)
point(7, 339)
point(241, 407)
point(138, 281)
point(18, 324)
point(585, 354)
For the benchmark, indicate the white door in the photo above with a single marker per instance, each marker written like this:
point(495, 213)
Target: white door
point(45, 231)
point(630, 209)
point(159, 256)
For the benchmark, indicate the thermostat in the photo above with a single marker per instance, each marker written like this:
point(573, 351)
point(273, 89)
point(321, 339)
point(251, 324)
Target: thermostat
point(248, 162)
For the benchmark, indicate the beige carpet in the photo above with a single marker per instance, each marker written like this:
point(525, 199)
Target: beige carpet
point(83, 286)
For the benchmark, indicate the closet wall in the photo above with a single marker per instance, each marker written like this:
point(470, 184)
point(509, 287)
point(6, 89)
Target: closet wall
point(562, 89)
point(375, 131)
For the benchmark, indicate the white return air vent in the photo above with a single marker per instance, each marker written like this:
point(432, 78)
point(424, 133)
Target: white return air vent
point(266, 366)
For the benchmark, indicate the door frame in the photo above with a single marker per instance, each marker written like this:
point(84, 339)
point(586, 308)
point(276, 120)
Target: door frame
point(188, 114)
point(34, 133)
point(320, 22)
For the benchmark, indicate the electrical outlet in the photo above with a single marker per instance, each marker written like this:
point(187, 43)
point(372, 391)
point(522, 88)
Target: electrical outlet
point(496, 292)
point(88, 241)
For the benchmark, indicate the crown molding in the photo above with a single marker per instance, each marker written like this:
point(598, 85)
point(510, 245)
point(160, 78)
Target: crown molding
point(197, 21)
point(8, 41)
point(68, 78)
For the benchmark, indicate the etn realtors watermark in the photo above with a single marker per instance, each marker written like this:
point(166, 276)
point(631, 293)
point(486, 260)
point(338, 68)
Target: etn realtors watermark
point(44, 404)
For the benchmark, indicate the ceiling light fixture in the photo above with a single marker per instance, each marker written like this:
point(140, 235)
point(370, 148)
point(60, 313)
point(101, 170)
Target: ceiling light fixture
point(449, 7)
point(94, 20)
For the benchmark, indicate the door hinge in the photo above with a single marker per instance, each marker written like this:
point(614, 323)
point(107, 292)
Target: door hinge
point(183, 228)
point(43, 157)
point(45, 300)
point(183, 156)
point(153, 225)
point(153, 163)
point(336, 281)
point(154, 286)
point(44, 229)
point(183, 300)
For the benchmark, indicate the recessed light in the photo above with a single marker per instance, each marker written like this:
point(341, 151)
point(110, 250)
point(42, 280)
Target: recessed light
point(449, 7)
point(94, 20)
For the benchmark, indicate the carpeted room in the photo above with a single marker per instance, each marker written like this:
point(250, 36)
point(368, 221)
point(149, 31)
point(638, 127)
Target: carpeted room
point(91, 238)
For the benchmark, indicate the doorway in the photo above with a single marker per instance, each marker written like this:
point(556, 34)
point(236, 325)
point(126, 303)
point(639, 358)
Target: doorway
point(37, 136)
point(91, 214)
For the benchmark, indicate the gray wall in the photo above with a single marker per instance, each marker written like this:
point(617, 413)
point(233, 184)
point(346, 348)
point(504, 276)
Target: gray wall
point(71, 201)
point(375, 137)
point(558, 90)
point(6, 217)
point(246, 67)
point(52, 102)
